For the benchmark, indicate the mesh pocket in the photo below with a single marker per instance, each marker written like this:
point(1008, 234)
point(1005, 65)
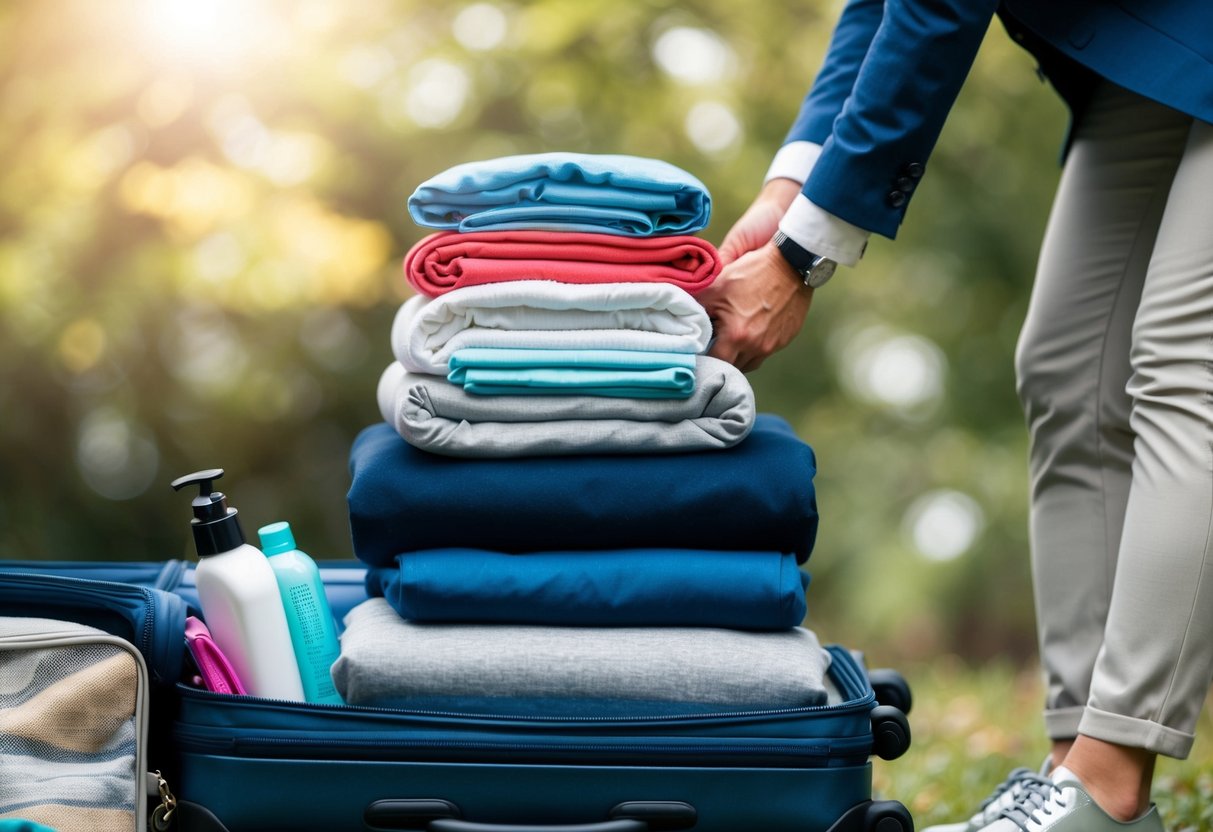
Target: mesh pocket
point(69, 730)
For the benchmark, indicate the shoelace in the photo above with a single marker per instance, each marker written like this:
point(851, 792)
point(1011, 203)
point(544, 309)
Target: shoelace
point(1014, 782)
point(1037, 795)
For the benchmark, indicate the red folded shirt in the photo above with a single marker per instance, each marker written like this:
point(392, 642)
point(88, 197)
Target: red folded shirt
point(450, 260)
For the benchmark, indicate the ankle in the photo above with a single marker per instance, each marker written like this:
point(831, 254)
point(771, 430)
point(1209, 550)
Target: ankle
point(1116, 777)
point(1058, 752)
point(1118, 804)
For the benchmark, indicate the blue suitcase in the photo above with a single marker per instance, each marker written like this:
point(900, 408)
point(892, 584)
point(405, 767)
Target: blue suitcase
point(259, 764)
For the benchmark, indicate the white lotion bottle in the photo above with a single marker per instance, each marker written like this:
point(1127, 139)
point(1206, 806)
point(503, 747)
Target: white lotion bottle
point(239, 596)
point(308, 614)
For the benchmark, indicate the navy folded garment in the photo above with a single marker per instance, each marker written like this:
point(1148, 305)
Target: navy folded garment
point(755, 496)
point(621, 588)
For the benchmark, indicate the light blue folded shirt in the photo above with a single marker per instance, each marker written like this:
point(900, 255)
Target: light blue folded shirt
point(635, 374)
point(612, 194)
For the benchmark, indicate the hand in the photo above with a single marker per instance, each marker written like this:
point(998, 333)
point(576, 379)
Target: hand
point(760, 221)
point(757, 306)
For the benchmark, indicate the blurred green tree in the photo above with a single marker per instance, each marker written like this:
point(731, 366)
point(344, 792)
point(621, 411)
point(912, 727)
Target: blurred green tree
point(202, 217)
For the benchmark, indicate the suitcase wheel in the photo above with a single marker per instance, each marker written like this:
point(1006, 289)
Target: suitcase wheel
point(888, 816)
point(875, 816)
point(890, 732)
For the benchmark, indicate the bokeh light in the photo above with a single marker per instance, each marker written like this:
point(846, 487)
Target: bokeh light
point(437, 92)
point(480, 27)
point(900, 371)
point(944, 524)
point(694, 55)
point(212, 33)
point(117, 458)
point(713, 127)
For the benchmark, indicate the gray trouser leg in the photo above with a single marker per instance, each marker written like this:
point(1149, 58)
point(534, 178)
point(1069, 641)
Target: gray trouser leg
point(1122, 483)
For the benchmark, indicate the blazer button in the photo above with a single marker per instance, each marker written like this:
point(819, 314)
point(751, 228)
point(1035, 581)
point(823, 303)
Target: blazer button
point(896, 198)
point(904, 183)
point(914, 170)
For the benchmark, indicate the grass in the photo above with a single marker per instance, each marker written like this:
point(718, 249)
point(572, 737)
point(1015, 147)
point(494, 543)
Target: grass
point(971, 726)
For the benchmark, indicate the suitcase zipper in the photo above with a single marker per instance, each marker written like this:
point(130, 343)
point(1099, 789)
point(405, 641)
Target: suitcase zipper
point(88, 587)
point(863, 704)
point(836, 750)
point(163, 814)
point(843, 667)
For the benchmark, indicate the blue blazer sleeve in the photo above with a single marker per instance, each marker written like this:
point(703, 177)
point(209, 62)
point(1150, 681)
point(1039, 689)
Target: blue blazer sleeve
point(848, 46)
point(891, 75)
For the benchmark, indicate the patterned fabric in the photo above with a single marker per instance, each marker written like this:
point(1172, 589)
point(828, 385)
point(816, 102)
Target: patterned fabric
point(69, 727)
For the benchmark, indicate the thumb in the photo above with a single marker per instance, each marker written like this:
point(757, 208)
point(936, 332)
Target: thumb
point(732, 247)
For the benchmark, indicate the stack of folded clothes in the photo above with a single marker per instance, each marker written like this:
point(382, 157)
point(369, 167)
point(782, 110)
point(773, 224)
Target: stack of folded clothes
point(568, 502)
point(564, 292)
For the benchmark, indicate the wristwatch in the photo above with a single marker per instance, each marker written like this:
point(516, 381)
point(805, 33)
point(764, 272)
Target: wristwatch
point(813, 269)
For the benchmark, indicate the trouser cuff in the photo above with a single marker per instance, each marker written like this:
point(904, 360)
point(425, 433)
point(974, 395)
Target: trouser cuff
point(1062, 723)
point(1136, 733)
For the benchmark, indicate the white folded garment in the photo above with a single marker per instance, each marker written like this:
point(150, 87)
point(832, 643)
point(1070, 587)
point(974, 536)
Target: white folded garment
point(440, 417)
point(544, 314)
point(387, 661)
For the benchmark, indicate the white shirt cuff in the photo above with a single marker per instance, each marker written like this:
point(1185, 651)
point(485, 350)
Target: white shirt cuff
point(823, 233)
point(793, 161)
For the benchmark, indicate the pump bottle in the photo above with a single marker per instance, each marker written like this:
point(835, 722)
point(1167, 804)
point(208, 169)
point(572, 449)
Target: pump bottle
point(308, 614)
point(239, 596)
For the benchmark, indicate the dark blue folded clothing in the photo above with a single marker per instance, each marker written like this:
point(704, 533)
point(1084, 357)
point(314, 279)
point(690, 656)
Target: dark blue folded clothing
point(623, 588)
point(755, 496)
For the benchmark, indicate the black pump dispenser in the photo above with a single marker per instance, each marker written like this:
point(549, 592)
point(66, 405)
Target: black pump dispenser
point(216, 528)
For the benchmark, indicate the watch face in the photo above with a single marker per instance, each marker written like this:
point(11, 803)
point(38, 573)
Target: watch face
point(821, 271)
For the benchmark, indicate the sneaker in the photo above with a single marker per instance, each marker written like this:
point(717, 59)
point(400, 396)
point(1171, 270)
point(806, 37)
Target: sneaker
point(1061, 804)
point(1001, 798)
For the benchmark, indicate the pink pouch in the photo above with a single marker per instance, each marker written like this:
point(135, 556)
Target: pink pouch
point(217, 672)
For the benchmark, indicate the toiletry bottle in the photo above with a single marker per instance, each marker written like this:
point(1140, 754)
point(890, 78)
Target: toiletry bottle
point(239, 596)
point(308, 615)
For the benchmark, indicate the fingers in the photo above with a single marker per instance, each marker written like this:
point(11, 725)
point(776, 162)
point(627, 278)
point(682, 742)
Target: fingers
point(737, 350)
point(755, 308)
point(749, 365)
point(751, 231)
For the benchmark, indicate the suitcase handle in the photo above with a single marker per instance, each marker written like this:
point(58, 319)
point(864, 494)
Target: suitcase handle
point(621, 825)
point(436, 815)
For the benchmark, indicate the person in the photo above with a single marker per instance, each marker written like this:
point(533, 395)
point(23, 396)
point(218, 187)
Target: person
point(1115, 360)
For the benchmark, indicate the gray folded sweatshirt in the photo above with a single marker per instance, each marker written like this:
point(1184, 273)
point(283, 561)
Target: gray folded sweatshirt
point(386, 660)
point(440, 417)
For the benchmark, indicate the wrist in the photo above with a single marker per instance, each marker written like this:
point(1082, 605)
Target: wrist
point(780, 192)
point(780, 264)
